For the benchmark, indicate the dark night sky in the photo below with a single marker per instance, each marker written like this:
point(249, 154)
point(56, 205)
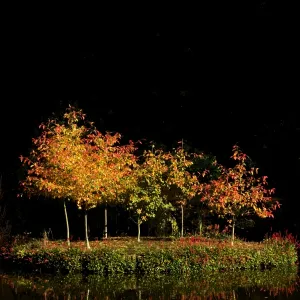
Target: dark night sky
point(213, 80)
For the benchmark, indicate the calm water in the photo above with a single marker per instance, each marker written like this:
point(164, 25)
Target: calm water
point(274, 284)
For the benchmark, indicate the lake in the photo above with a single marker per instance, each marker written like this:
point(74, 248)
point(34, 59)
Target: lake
point(268, 284)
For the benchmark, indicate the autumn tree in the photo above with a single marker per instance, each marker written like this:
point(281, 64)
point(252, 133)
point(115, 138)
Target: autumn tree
point(59, 163)
point(146, 187)
point(206, 168)
point(99, 169)
point(239, 192)
point(182, 184)
point(114, 164)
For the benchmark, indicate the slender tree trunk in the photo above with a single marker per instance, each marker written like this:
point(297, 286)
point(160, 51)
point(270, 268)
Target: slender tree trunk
point(67, 223)
point(105, 221)
point(138, 288)
point(200, 224)
point(139, 229)
point(182, 220)
point(232, 232)
point(86, 230)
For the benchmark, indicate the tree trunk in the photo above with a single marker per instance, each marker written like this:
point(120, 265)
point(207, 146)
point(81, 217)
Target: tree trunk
point(232, 232)
point(233, 295)
point(182, 220)
point(105, 221)
point(86, 230)
point(200, 224)
point(139, 229)
point(67, 223)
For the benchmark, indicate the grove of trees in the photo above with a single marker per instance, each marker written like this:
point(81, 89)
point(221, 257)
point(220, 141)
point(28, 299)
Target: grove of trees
point(71, 160)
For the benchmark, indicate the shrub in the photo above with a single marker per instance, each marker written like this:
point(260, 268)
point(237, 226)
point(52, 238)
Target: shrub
point(181, 256)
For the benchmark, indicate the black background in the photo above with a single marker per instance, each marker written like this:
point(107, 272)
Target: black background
point(213, 75)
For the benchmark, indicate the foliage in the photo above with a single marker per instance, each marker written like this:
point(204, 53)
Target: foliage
point(50, 165)
point(73, 160)
point(238, 192)
point(205, 166)
point(213, 231)
point(282, 239)
point(113, 165)
point(184, 255)
point(61, 163)
point(148, 182)
point(164, 224)
point(182, 183)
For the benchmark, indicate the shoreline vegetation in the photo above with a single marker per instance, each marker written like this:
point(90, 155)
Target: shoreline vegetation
point(186, 255)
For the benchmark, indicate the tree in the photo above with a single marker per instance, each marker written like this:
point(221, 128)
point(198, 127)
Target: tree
point(238, 192)
point(115, 164)
point(206, 168)
point(183, 185)
point(146, 189)
point(59, 163)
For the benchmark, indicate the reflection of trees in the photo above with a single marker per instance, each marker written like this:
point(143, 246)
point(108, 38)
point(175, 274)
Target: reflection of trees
point(218, 285)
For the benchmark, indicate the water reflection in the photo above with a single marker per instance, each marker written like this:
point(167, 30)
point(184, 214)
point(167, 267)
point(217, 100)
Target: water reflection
point(281, 284)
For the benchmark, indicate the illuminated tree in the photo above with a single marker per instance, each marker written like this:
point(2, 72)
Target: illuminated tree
point(55, 158)
point(183, 185)
point(146, 187)
point(114, 165)
point(238, 192)
point(72, 160)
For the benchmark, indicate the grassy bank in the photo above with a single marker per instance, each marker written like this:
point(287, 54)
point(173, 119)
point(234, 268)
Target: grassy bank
point(150, 256)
